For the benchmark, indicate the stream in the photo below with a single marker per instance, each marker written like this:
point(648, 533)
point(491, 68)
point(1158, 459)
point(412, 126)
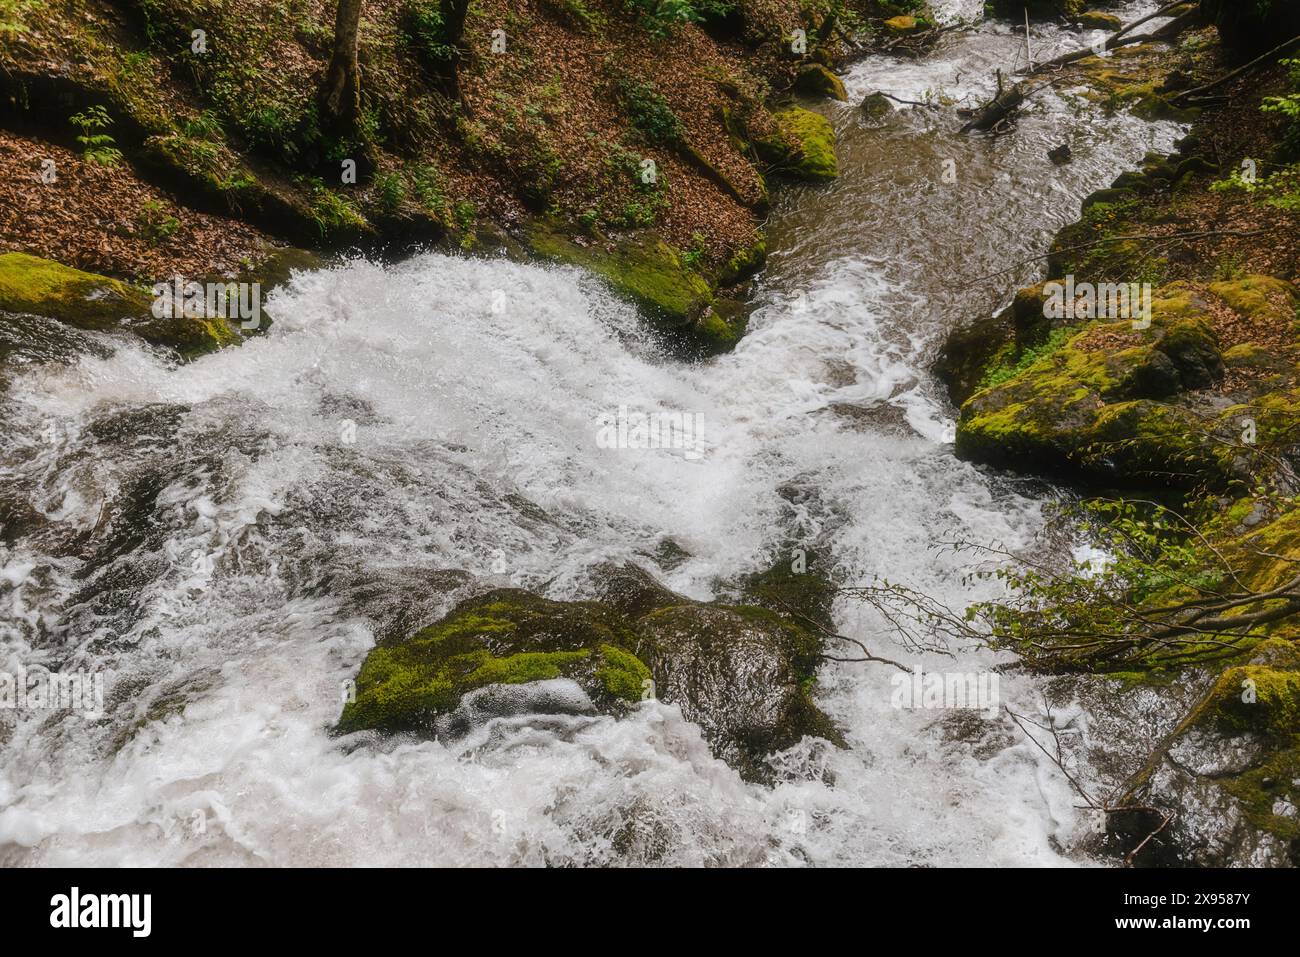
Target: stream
point(400, 421)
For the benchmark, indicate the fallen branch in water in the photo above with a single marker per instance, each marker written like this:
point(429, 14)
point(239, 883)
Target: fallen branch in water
point(1106, 808)
point(1117, 39)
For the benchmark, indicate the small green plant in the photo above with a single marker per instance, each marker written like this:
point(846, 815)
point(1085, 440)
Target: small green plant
point(661, 17)
point(466, 214)
point(1288, 107)
point(390, 191)
point(650, 113)
point(97, 146)
point(423, 27)
point(154, 223)
point(693, 256)
point(429, 188)
point(1004, 373)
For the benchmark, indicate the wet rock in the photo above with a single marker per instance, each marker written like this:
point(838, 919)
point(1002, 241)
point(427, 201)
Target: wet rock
point(743, 673)
point(1061, 154)
point(876, 105)
point(1230, 771)
point(87, 301)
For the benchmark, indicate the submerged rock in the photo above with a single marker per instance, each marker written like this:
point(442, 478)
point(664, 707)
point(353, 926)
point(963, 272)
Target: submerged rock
point(741, 672)
point(876, 105)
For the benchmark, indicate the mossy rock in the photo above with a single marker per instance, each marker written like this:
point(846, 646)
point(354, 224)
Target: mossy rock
point(83, 300)
point(902, 25)
point(816, 80)
point(744, 674)
point(649, 272)
point(744, 262)
point(88, 301)
point(1119, 80)
point(505, 637)
point(806, 147)
point(1099, 20)
point(1092, 409)
point(1231, 770)
point(877, 105)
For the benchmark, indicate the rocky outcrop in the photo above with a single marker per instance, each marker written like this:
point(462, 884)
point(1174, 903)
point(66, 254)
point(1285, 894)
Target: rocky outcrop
point(1228, 775)
point(741, 672)
point(90, 302)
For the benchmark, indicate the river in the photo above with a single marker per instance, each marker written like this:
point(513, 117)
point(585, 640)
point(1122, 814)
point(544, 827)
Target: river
point(271, 503)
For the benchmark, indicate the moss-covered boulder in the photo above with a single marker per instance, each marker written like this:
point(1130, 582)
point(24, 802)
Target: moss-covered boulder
point(506, 637)
point(83, 300)
point(816, 80)
point(742, 673)
point(1090, 403)
point(648, 271)
point(1099, 20)
point(804, 147)
point(902, 25)
point(1229, 772)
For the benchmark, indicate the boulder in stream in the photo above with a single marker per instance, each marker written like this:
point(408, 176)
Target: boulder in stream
point(743, 673)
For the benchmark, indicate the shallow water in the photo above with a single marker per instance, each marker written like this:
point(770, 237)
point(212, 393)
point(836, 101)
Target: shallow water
point(270, 507)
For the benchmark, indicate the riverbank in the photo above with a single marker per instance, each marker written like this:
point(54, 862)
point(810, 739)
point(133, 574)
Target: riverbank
point(636, 140)
point(1180, 418)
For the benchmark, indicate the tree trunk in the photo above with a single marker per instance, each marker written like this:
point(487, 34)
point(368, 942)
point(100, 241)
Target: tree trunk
point(453, 25)
point(341, 94)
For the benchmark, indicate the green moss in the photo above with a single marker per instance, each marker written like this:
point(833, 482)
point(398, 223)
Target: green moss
point(1263, 300)
point(81, 299)
point(744, 262)
point(806, 147)
point(621, 673)
point(504, 637)
point(526, 666)
point(817, 80)
point(1099, 20)
point(1007, 364)
point(89, 301)
point(644, 268)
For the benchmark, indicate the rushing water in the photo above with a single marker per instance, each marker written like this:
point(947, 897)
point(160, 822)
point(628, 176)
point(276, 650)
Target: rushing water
point(227, 536)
